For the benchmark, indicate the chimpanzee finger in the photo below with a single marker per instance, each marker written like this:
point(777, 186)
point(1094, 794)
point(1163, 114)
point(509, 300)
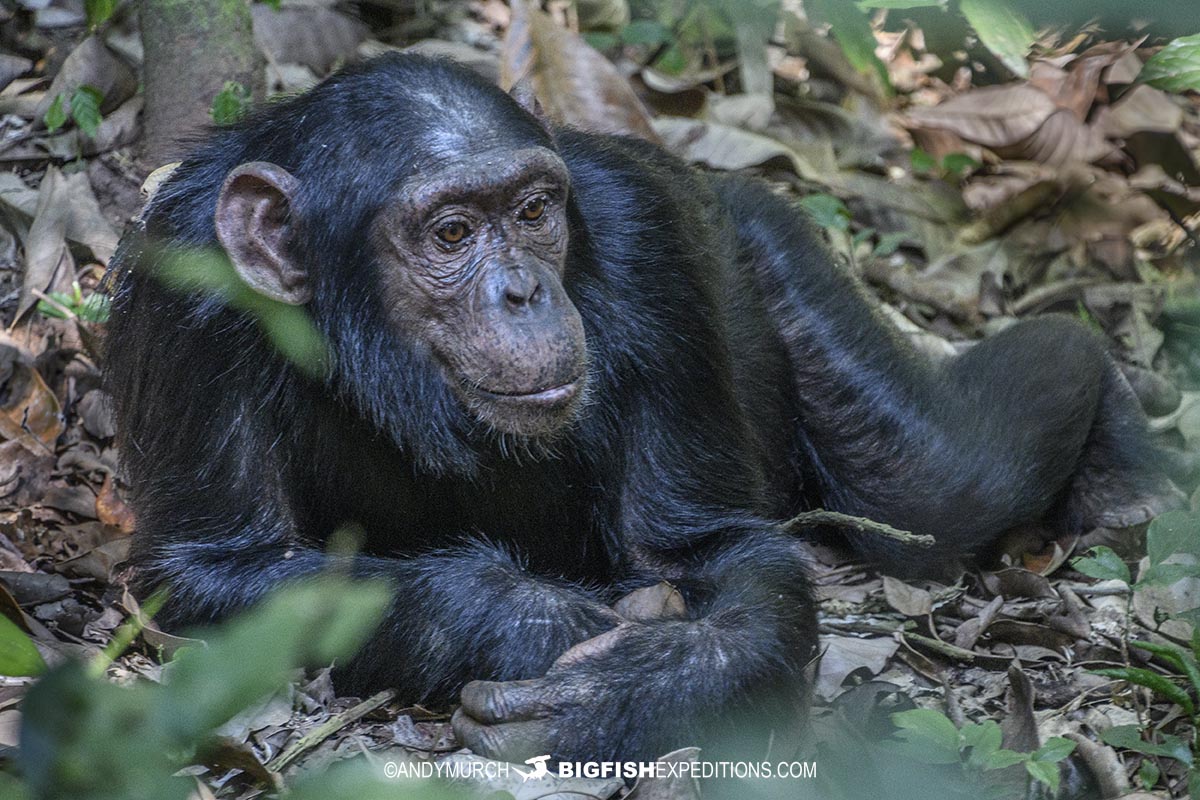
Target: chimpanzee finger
point(515, 741)
point(495, 702)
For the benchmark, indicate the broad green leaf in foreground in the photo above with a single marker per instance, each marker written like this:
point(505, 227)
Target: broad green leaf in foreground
point(1003, 30)
point(1175, 68)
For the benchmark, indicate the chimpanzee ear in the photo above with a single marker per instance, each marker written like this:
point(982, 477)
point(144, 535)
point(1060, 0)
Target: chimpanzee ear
point(253, 221)
point(522, 91)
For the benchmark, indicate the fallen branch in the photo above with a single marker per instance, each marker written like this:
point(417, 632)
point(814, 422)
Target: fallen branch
point(817, 517)
point(331, 726)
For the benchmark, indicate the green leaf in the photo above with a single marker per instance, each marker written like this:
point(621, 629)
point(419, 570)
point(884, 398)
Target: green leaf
point(1056, 748)
point(852, 30)
point(926, 726)
point(958, 164)
point(1103, 564)
point(1128, 737)
point(890, 243)
point(230, 104)
point(918, 751)
point(18, 655)
point(56, 115)
point(1181, 660)
point(272, 4)
point(922, 161)
point(85, 108)
point(1175, 68)
point(866, 5)
point(1154, 682)
point(984, 739)
point(1148, 774)
point(1003, 30)
point(1004, 758)
point(1193, 782)
point(98, 12)
point(601, 40)
point(289, 328)
point(1044, 772)
point(1173, 533)
point(827, 211)
point(645, 31)
point(1166, 574)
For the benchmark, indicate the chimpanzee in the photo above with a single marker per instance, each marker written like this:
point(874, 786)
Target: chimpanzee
point(561, 366)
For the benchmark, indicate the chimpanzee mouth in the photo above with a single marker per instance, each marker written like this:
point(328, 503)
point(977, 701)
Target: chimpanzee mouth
point(553, 396)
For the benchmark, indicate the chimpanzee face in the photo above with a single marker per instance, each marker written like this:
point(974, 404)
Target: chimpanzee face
point(470, 258)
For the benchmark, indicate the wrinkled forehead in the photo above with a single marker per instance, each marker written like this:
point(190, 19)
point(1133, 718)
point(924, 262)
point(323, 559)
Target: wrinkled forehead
point(492, 173)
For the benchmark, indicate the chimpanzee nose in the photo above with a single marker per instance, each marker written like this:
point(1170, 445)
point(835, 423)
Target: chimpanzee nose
point(522, 290)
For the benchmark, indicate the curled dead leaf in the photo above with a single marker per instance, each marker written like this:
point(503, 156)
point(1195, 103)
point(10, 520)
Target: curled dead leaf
point(575, 84)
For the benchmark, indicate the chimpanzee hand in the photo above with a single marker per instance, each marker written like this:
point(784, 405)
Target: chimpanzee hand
point(568, 713)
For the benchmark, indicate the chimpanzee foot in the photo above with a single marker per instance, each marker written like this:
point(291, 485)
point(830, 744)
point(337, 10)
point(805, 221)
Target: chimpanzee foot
point(1108, 504)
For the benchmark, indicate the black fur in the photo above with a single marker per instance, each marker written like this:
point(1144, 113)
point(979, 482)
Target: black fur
point(736, 376)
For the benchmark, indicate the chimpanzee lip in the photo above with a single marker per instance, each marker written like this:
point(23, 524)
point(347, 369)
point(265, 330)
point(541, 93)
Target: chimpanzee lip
point(555, 395)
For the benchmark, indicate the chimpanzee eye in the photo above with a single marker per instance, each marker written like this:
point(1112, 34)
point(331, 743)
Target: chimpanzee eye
point(534, 209)
point(453, 232)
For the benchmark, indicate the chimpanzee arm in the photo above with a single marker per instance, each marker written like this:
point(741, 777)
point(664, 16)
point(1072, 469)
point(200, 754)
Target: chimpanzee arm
point(457, 614)
point(728, 677)
point(650, 687)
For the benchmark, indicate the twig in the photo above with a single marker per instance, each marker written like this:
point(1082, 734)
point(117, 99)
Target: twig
point(938, 646)
point(811, 519)
point(331, 726)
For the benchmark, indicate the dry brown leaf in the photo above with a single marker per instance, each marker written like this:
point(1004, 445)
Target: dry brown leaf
point(84, 224)
point(31, 414)
point(111, 509)
point(725, 147)
point(1143, 108)
point(48, 262)
point(1060, 139)
point(910, 601)
point(1074, 88)
point(575, 84)
point(994, 116)
point(842, 655)
point(305, 34)
point(91, 63)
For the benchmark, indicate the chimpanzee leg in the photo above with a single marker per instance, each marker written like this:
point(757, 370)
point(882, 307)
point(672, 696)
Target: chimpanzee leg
point(1025, 422)
point(459, 614)
point(1054, 393)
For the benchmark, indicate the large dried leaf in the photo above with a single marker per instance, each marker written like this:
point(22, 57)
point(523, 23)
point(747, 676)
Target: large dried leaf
point(726, 147)
point(12, 67)
point(310, 35)
point(1143, 108)
point(1075, 88)
point(91, 64)
point(85, 224)
point(845, 654)
point(1060, 139)
point(48, 262)
point(30, 414)
point(575, 84)
point(994, 116)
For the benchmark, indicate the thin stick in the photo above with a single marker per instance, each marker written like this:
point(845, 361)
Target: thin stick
point(811, 519)
point(330, 727)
